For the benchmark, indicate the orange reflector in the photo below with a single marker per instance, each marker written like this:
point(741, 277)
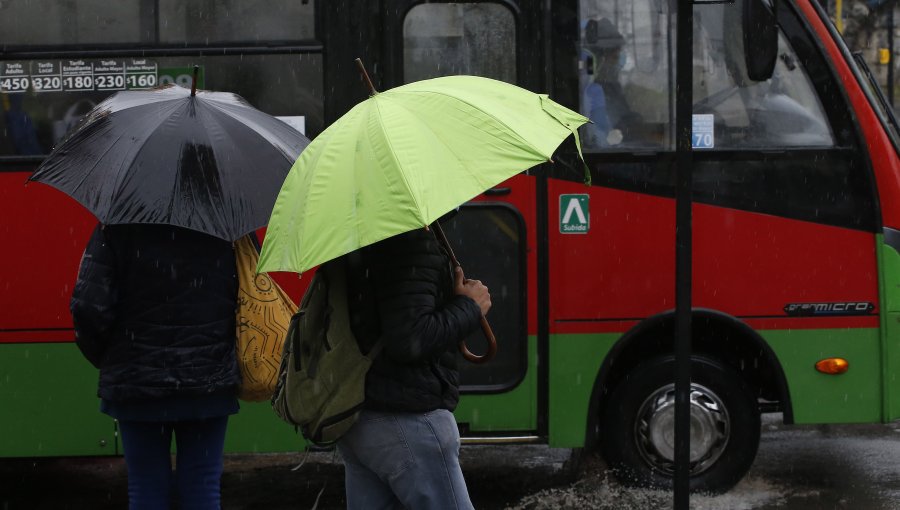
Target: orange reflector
point(833, 366)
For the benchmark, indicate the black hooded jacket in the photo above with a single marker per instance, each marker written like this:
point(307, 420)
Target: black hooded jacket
point(406, 299)
point(154, 310)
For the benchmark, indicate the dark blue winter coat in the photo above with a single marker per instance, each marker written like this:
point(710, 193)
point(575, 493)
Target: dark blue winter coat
point(154, 310)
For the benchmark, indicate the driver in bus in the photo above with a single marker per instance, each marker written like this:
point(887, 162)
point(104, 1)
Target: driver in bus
point(602, 99)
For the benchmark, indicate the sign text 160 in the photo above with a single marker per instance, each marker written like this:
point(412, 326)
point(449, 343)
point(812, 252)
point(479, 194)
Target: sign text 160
point(140, 81)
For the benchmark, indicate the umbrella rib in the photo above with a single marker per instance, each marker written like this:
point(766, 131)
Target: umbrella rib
point(97, 162)
point(221, 118)
point(472, 174)
point(220, 213)
point(384, 132)
point(449, 148)
point(489, 114)
point(99, 158)
point(162, 119)
point(226, 109)
point(292, 211)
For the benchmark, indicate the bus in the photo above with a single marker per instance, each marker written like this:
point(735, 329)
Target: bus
point(796, 211)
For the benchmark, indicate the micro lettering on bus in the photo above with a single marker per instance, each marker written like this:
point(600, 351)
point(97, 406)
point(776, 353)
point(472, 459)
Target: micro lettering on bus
point(839, 308)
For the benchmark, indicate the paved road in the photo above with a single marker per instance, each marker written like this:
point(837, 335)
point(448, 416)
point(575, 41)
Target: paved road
point(798, 468)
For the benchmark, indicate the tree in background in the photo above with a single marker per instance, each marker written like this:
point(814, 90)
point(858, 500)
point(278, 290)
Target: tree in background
point(865, 26)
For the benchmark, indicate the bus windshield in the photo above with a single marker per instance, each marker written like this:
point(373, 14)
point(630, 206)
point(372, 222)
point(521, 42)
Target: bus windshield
point(882, 106)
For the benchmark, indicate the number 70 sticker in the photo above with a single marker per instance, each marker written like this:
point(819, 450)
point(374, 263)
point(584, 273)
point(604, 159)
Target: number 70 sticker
point(703, 134)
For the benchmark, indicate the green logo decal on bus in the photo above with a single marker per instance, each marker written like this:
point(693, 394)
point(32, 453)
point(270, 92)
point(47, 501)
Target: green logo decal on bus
point(574, 214)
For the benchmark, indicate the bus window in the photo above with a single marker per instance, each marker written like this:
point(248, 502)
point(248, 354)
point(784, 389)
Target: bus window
point(235, 21)
point(783, 111)
point(459, 38)
point(498, 259)
point(83, 22)
point(627, 89)
point(37, 118)
point(784, 146)
point(136, 21)
point(625, 75)
point(47, 91)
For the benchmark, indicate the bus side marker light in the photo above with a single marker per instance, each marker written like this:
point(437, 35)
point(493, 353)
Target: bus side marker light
point(833, 366)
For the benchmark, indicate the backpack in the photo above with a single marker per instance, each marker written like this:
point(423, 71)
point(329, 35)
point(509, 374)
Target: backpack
point(322, 379)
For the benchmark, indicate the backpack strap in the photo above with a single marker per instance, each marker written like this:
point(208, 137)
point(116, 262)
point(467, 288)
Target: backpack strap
point(376, 349)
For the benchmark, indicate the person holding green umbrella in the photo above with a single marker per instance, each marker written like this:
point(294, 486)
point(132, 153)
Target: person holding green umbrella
point(404, 449)
point(376, 184)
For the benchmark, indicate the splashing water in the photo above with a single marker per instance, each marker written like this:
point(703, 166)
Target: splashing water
point(599, 492)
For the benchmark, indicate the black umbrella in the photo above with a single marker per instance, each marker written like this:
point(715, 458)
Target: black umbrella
point(207, 161)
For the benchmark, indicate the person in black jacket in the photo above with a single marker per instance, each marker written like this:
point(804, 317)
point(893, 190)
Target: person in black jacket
point(404, 449)
point(154, 310)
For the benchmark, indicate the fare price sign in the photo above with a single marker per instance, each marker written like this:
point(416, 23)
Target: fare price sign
point(79, 75)
point(14, 77)
point(140, 73)
point(46, 76)
point(109, 75)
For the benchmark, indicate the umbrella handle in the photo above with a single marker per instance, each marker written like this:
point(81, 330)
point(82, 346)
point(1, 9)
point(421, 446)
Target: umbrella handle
point(365, 75)
point(485, 326)
point(194, 81)
point(492, 345)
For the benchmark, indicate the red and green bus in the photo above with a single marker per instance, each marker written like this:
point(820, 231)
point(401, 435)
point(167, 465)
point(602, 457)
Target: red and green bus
point(796, 214)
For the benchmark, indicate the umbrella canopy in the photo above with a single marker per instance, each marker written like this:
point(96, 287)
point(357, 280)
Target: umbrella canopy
point(208, 162)
point(402, 158)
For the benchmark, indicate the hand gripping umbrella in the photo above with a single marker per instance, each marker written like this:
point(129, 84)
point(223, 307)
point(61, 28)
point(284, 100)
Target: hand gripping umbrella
point(402, 158)
point(206, 161)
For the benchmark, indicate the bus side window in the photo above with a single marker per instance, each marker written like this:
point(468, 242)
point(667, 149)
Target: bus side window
point(626, 82)
point(459, 38)
point(624, 76)
point(786, 146)
point(42, 98)
point(497, 258)
point(783, 111)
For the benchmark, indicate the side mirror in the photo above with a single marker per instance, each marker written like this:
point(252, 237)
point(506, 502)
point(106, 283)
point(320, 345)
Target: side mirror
point(760, 38)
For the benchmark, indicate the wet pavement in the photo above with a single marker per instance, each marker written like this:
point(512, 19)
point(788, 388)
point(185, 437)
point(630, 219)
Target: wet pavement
point(819, 467)
point(797, 468)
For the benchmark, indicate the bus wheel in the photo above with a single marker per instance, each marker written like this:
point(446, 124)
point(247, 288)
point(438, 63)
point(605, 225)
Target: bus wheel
point(637, 435)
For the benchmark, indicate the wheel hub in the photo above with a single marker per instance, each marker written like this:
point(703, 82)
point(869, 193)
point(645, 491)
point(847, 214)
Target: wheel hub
point(655, 429)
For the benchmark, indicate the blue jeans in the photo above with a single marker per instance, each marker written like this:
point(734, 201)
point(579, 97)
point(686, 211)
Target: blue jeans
point(199, 463)
point(404, 460)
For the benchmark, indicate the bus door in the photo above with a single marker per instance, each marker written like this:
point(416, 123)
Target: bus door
point(493, 236)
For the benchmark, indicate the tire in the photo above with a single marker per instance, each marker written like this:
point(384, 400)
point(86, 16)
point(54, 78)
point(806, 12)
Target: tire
point(637, 427)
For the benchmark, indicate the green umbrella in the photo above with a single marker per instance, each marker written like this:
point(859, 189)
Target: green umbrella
point(402, 158)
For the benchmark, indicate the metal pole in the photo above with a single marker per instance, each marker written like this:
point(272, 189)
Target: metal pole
point(684, 99)
point(839, 15)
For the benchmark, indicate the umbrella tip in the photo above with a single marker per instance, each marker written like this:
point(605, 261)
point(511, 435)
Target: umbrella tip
point(365, 75)
point(194, 80)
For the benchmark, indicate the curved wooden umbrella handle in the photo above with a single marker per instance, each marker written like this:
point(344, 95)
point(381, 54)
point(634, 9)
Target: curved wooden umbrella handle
point(485, 327)
point(492, 345)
